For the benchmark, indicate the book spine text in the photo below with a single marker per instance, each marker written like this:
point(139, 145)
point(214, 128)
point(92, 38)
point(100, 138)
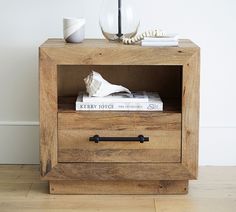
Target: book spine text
point(82, 106)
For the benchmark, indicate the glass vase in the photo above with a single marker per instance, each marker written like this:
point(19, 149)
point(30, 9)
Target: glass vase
point(118, 19)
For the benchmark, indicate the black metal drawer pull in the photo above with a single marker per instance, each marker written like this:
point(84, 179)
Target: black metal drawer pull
point(140, 139)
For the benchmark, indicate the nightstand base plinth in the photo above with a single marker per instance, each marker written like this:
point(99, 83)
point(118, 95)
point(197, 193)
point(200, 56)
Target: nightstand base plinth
point(119, 187)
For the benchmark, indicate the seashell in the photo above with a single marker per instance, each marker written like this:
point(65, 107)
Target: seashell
point(137, 38)
point(96, 85)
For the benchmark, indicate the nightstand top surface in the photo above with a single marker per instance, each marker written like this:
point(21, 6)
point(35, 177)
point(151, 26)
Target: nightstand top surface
point(103, 52)
point(102, 43)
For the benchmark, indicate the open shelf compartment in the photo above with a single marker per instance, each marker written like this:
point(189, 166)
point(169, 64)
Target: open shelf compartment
point(166, 80)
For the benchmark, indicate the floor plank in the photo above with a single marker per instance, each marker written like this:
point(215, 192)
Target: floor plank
point(196, 204)
point(84, 205)
point(14, 189)
point(22, 190)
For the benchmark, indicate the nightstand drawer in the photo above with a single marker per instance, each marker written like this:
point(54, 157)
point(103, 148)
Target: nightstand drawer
point(163, 130)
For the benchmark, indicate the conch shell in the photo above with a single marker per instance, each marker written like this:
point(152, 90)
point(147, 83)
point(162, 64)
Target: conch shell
point(97, 86)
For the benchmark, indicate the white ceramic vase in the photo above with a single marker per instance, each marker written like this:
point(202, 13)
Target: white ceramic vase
point(74, 30)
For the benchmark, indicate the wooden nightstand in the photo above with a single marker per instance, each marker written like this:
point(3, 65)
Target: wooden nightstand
point(74, 165)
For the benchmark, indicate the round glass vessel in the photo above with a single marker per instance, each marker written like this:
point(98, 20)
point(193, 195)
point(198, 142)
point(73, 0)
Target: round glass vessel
point(118, 19)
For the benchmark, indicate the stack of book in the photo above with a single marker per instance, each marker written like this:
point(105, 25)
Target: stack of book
point(168, 40)
point(136, 101)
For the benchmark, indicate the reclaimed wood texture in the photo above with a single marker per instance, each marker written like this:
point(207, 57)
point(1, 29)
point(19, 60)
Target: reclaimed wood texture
point(62, 67)
point(163, 130)
point(119, 187)
point(119, 171)
point(48, 113)
point(190, 113)
point(102, 52)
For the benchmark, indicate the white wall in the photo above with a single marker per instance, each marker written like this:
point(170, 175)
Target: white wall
point(25, 24)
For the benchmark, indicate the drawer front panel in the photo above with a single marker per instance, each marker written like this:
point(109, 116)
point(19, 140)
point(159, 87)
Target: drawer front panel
point(163, 130)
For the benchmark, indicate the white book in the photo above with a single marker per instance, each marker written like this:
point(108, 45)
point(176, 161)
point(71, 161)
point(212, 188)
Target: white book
point(160, 44)
point(139, 96)
point(154, 104)
point(161, 39)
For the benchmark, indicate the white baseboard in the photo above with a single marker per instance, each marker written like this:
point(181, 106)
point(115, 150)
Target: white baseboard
point(19, 123)
point(19, 144)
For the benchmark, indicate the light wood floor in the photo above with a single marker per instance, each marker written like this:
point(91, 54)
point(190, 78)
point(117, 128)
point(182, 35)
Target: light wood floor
point(21, 190)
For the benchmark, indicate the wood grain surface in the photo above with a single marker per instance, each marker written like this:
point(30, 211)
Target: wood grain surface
point(48, 113)
point(102, 52)
point(163, 130)
point(190, 113)
point(119, 171)
point(171, 154)
point(119, 187)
